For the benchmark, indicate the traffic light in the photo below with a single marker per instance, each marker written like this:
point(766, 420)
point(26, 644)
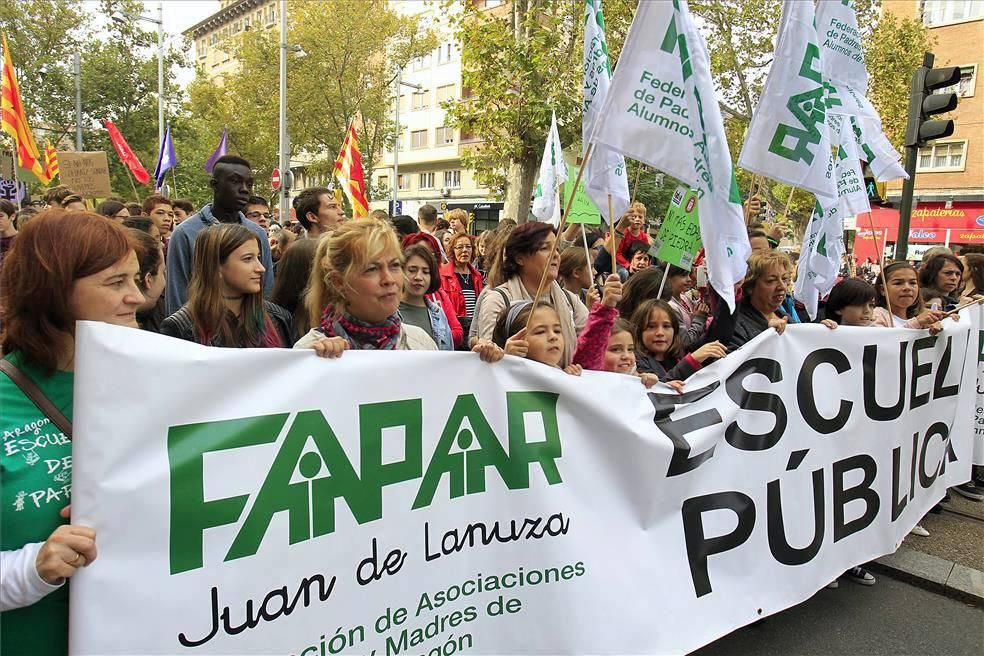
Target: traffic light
point(923, 103)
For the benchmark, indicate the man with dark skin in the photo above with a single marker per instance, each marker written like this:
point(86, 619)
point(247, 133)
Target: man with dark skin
point(232, 186)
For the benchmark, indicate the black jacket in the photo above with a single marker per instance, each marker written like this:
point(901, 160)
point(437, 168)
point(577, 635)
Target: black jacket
point(180, 325)
point(748, 323)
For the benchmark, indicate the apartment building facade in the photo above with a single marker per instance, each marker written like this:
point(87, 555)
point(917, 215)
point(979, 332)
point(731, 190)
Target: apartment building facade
point(948, 203)
point(427, 166)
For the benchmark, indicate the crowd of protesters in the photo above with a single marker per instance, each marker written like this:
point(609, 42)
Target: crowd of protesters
point(230, 275)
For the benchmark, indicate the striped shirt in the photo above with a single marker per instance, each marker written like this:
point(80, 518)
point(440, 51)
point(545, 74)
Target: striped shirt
point(468, 291)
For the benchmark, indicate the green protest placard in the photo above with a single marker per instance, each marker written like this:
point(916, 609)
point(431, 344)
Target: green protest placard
point(582, 210)
point(679, 235)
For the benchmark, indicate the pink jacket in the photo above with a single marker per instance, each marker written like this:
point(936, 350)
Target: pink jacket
point(593, 340)
point(883, 318)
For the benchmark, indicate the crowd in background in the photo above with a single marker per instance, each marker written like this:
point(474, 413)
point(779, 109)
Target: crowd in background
point(235, 274)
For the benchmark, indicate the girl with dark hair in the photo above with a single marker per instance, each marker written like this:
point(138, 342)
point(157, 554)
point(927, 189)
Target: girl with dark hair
point(64, 267)
point(851, 303)
point(574, 275)
point(940, 278)
point(659, 345)
point(420, 266)
point(113, 209)
point(544, 341)
point(901, 306)
point(225, 299)
point(150, 279)
point(293, 273)
point(641, 287)
point(973, 278)
point(528, 258)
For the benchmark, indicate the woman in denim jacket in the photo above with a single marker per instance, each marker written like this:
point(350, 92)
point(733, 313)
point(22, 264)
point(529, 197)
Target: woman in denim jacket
point(423, 277)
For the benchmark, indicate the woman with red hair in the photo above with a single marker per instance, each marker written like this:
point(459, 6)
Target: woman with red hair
point(64, 267)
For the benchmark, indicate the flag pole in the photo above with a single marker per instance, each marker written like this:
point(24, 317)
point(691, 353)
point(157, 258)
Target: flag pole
point(587, 252)
point(635, 185)
point(881, 258)
point(560, 230)
point(752, 189)
point(174, 180)
point(611, 221)
point(133, 185)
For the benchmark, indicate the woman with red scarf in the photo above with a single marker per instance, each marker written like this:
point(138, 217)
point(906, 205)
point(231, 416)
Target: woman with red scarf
point(354, 295)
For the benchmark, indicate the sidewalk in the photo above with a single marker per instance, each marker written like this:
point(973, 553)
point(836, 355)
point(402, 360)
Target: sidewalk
point(950, 560)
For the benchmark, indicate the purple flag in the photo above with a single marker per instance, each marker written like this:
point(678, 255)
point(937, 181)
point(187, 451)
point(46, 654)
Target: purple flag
point(166, 159)
point(219, 152)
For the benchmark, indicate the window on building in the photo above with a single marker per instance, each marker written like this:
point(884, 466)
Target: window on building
point(426, 180)
point(942, 157)
point(421, 63)
point(452, 179)
point(443, 136)
point(468, 137)
point(968, 79)
point(445, 92)
point(446, 53)
point(940, 12)
point(271, 15)
point(403, 180)
point(418, 139)
point(383, 182)
point(420, 99)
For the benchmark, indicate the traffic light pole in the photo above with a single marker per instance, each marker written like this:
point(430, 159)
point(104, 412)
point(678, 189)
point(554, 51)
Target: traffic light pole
point(923, 104)
point(905, 208)
point(916, 97)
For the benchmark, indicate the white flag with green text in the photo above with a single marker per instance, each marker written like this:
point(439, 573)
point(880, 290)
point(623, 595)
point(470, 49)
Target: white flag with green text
point(553, 171)
point(604, 173)
point(820, 256)
point(842, 59)
point(661, 110)
point(788, 139)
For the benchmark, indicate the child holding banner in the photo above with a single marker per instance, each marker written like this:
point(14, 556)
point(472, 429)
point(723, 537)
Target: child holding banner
point(900, 305)
point(660, 345)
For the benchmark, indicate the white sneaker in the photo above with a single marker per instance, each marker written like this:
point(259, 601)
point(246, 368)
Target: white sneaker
point(920, 531)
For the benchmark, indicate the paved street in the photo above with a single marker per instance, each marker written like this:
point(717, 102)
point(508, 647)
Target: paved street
point(890, 618)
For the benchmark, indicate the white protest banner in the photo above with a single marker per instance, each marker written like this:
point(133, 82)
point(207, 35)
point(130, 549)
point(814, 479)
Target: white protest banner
point(519, 511)
point(604, 173)
point(553, 171)
point(976, 313)
point(661, 110)
point(788, 139)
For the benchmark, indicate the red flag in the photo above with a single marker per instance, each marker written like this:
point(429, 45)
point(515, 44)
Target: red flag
point(348, 170)
point(127, 156)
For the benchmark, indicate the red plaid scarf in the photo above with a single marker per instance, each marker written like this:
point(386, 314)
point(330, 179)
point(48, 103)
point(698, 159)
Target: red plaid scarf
point(360, 334)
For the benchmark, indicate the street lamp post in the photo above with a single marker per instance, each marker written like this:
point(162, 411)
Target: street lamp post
point(120, 17)
point(284, 156)
point(396, 138)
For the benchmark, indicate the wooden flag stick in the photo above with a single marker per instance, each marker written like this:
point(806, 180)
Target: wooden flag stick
point(789, 201)
point(881, 259)
point(611, 221)
point(752, 189)
point(560, 230)
point(587, 252)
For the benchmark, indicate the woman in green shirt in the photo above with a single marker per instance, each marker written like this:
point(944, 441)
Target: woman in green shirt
point(64, 267)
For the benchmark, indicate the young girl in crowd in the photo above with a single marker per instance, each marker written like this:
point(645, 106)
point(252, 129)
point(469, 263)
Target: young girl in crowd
point(225, 298)
point(574, 275)
point(422, 279)
point(901, 306)
point(542, 342)
point(659, 344)
point(150, 280)
point(851, 303)
point(620, 353)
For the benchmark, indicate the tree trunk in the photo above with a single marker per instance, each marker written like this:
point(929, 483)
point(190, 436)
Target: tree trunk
point(520, 180)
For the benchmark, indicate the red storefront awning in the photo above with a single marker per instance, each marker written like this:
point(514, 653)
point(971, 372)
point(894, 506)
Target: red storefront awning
point(930, 223)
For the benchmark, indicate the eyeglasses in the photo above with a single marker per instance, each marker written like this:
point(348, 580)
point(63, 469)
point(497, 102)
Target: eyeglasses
point(256, 215)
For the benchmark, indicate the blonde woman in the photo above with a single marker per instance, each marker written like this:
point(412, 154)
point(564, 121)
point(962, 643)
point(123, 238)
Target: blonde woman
point(225, 299)
point(354, 294)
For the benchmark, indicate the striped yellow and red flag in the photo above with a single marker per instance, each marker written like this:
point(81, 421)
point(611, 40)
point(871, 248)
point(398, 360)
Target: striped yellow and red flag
point(348, 171)
point(50, 161)
point(13, 120)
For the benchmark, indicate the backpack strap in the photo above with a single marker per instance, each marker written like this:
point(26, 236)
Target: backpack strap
point(33, 392)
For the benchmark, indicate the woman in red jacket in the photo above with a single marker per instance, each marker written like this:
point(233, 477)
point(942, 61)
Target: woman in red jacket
point(460, 279)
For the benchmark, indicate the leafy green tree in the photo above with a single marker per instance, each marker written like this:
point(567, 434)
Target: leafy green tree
point(347, 70)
